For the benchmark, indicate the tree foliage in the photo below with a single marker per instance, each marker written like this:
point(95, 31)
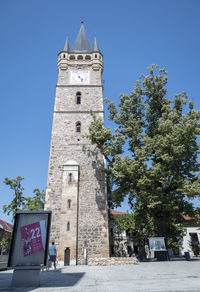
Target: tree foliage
point(35, 203)
point(5, 243)
point(152, 154)
point(21, 203)
point(18, 200)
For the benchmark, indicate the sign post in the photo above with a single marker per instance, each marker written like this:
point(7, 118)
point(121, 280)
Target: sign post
point(29, 247)
point(85, 253)
point(157, 245)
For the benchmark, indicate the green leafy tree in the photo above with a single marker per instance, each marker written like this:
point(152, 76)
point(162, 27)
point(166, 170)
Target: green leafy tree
point(5, 244)
point(18, 200)
point(35, 203)
point(159, 171)
point(21, 203)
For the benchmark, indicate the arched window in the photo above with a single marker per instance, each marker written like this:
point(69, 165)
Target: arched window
point(78, 97)
point(72, 57)
point(80, 57)
point(78, 127)
point(87, 57)
point(70, 178)
point(95, 55)
point(68, 226)
point(64, 56)
point(69, 204)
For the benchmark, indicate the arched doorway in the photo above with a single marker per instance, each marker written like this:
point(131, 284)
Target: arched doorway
point(67, 257)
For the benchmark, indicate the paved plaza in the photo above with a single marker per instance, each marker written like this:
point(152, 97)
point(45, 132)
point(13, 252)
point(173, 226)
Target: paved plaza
point(148, 276)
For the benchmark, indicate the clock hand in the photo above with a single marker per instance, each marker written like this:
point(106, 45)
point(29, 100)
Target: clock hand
point(80, 78)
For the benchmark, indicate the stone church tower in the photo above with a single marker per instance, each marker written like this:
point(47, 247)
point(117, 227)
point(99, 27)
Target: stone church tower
point(76, 189)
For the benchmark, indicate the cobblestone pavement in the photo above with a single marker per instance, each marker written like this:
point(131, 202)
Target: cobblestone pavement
point(154, 276)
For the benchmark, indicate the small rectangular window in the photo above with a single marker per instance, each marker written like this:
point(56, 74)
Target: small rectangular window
point(68, 226)
point(70, 178)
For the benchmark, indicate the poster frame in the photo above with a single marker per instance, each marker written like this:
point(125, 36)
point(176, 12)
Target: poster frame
point(160, 239)
point(14, 233)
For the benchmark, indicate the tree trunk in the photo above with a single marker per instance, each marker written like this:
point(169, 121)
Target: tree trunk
point(162, 232)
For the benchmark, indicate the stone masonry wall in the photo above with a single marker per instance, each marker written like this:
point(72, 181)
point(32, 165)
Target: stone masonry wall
point(112, 261)
point(92, 217)
point(69, 210)
point(89, 197)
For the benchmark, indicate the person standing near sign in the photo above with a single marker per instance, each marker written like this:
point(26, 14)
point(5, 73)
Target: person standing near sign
point(52, 254)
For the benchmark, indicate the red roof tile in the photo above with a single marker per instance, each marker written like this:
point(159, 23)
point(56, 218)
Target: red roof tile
point(187, 217)
point(6, 226)
point(117, 213)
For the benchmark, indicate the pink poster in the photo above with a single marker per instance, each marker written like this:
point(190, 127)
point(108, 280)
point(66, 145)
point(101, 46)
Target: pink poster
point(32, 236)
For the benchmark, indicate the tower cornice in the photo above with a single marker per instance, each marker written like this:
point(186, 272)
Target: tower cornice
point(77, 85)
point(79, 53)
point(78, 112)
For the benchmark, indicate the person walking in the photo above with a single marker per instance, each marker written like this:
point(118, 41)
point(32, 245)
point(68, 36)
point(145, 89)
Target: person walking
point(52, 254)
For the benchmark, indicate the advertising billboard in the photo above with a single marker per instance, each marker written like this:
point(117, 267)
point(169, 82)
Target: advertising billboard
point(30, 239)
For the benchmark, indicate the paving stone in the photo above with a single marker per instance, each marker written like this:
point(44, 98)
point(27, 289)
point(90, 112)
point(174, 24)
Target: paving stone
point(152, 277)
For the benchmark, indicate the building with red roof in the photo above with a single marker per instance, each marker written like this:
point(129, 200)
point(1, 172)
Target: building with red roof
point(116, 213)
point(5, 226)
point(5, 229)
point(121, 243)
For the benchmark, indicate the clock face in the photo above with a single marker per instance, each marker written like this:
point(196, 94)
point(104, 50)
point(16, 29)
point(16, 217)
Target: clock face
point(79, 77)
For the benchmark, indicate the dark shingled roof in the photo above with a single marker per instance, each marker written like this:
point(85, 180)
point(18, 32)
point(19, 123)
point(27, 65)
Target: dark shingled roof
point(66, 46)
point(95, 46)
point(81, 43)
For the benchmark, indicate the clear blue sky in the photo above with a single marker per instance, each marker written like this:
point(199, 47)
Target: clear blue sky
point(132, 34)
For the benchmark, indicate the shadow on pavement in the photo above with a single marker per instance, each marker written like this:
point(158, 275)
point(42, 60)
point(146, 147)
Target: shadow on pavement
point(59, 279)
point(48, 279)
point(5, 279)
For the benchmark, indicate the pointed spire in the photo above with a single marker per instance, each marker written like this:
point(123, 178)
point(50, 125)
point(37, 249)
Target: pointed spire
point(81, 43)
point(66, 46)
point(95, 45)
